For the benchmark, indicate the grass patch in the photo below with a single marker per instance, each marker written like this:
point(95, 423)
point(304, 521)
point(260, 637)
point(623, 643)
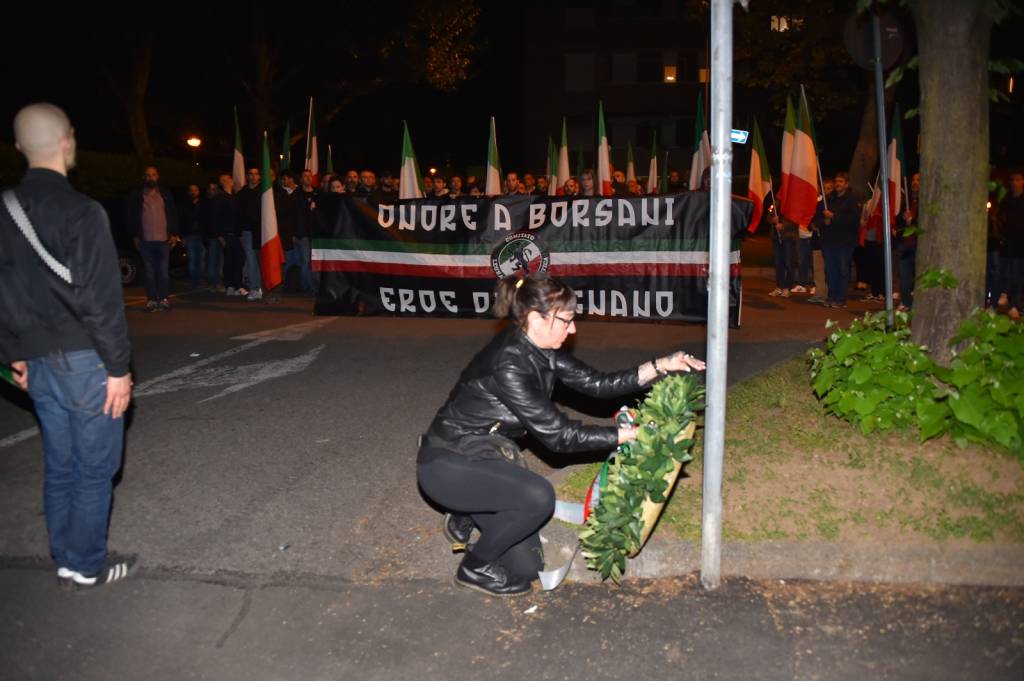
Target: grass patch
point(793, 472)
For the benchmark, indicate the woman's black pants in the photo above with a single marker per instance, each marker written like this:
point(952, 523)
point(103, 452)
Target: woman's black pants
point(508, 503)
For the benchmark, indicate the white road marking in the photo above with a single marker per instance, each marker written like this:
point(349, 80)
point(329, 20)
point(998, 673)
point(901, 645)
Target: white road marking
point(236, 377)
point(293, 332)
point(18, 437)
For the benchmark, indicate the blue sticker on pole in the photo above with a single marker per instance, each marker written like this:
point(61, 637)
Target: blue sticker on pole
point(739, 136)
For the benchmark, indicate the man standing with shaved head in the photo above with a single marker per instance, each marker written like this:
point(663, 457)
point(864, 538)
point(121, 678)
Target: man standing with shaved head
point(64, 335)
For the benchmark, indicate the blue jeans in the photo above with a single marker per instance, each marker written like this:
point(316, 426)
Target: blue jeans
point(908, 270)
point(252, 261)
point(214, 262)
point(292, 258)
point(82, 450)
point(154, 263)
point(1011, 274)
point(806, 265)
point(305, 257)
point(195, 244)
point(837, 271)
point(785, 262)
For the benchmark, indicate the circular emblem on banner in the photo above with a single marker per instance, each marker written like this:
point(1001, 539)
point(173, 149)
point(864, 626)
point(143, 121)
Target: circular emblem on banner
point(520, 254)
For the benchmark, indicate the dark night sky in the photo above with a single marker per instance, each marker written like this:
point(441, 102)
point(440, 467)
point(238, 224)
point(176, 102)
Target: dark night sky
point(194, 84)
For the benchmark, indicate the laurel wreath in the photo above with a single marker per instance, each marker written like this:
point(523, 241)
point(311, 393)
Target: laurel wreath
point(638, 472)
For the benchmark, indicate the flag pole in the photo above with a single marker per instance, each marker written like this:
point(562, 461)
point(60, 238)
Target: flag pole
point(883, 167)
point(718, 290)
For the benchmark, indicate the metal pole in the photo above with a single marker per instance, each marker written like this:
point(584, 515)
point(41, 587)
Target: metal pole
point(718, 285)
point(883, 169)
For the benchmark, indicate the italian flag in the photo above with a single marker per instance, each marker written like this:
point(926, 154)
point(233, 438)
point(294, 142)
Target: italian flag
point(701, 146)
point(492, 185)
point(237, 162)
point(630, 164)
point(553, 189)
point(563, 161)
point(410, 183)
point(271, 253)
point(760, 182)
point(652, 172)
point(312, 156)
point(896, 179)
point(604, 159)
point(788, 131)
point(801, 199)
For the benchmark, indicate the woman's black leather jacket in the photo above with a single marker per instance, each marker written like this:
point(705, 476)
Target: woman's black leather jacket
point(506, 389)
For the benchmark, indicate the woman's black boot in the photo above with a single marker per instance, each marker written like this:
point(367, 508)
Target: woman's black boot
point(457, 529)
point(489, 578)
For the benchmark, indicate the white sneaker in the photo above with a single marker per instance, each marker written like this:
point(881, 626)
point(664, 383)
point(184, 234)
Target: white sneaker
point(798, 289)
point(232, 291)
point(255, 294)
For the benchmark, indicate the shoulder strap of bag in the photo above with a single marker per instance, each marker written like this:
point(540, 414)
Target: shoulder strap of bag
point(25, 225)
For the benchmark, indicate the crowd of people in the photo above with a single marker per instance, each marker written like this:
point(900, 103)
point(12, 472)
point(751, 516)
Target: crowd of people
point(843, 244)
point(845, 238)
point(220, 227)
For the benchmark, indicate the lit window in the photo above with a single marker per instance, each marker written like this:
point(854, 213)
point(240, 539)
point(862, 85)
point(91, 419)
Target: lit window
point(670, 74)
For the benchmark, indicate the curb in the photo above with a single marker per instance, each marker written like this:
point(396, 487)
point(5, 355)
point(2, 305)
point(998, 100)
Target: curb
point(978, 565)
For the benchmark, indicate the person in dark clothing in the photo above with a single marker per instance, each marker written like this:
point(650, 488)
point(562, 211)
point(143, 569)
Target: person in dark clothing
point(1011, 244)
point(225, 231)
point(192, 214)
point(152, 219)
point(467, 460)
point(248, 202)
point(64, 333)
point(839, 228)
point(290, 218)
point(306, 226)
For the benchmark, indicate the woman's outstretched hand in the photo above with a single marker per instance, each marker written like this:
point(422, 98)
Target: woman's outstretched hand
point(680, 361)
point(627, 435)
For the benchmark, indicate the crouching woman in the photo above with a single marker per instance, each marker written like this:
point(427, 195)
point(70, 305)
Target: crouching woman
point(468, 461)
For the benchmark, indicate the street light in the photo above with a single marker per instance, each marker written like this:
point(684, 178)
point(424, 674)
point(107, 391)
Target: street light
point(195, 143)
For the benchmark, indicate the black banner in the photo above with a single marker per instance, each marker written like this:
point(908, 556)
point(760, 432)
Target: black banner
point(644, 258)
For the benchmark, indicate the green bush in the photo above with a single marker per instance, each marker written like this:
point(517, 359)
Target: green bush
point(986, 382)
point(103, 175)
point(879, 380)
point(872, 376)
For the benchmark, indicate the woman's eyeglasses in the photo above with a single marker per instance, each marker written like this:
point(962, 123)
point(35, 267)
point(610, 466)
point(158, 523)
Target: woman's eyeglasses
point(567, 322)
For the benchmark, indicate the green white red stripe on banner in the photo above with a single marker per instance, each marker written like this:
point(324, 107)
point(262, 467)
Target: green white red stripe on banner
point(478, 265)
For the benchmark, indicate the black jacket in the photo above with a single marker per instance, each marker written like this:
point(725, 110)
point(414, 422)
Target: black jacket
point(508, 384)
point(222, 217)
point(844, 229)
point(133, 212)
point(39, 313)
point(193, 217)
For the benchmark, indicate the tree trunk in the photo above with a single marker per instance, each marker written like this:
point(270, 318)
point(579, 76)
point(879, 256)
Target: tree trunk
point(134, 100)
point(864, 163)
point(953, 40)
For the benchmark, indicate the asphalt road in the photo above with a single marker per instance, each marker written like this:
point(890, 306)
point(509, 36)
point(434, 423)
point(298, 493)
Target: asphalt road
point(269, 492)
